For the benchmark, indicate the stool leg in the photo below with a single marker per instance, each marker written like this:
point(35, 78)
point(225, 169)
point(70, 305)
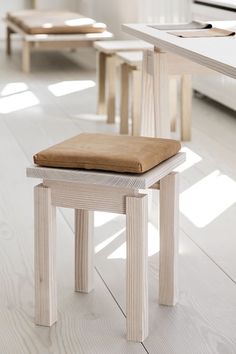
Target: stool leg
point(136, 101)
point(84, 251)
point(26, 56)
point(136, 272)
point(169, 227)
point(101, 82)
point(124, 99)
point(186, 103)
point(111, 88)
point(8, 41)
point(45, 257)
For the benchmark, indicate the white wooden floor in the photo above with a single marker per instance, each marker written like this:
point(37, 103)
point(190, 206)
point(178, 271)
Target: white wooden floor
point(204, 322)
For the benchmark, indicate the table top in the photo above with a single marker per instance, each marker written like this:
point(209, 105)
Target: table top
point(216, 53)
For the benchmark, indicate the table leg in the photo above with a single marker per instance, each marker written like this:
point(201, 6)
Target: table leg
point(111, 88)
point(101, 82)
point(186, 104)
point(136, 101)
point(161, 94)
point(124, 99)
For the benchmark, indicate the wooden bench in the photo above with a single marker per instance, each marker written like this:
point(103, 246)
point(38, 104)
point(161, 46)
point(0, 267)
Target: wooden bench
point(106, 72)
point(51, 40)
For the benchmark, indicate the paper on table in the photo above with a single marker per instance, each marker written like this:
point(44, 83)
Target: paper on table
point(211, 32)
point(182, 26)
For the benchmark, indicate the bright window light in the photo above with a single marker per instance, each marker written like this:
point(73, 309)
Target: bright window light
point(13, 87)
point(66, 87)
point(47, 25)
point(153, 245)
point(206, 200)
point(191, 159)
point(17, 102)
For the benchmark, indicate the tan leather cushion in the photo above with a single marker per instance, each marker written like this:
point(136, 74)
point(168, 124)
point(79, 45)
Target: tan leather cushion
point(54, 22)
point(118, 153)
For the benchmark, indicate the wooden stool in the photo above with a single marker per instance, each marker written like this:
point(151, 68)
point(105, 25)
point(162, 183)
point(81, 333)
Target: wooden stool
point(106, 72)
point(131, 81)
point(86, 191)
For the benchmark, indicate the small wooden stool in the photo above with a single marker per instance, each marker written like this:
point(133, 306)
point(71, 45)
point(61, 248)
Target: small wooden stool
point(86, 191)
point(106, 72)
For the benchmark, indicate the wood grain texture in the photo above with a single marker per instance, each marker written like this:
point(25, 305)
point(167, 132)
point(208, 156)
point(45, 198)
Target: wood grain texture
point(108, 179)
point(45, 258)
point(84, 250)
point(111, 88)
point(136, 101)
point(161, 95)
point(136, 268)
point(101, 82)
point(88, 197)
point(169, 239)
point(124, 98)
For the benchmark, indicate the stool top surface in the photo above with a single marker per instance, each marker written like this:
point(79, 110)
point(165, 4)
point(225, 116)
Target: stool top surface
point(132, 58)
point(111, 179)
point(110, 47)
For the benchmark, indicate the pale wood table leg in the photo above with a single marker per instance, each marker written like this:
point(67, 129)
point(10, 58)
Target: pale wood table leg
point(111, 88)
point(124, 99)
point(169, 229)
point(101, 82)
point(136, 273)
point(136, 101)
point(8, 41)
point(26, 56)
point(186, 104)
point(147, 101)
point(84, 250)
point(45, 257)
point(173, 90)
point(161, 95)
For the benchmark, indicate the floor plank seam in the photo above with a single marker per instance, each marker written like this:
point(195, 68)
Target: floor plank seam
point(206, 254)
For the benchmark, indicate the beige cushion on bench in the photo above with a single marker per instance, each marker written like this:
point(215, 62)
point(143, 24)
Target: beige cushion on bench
point(54, 22)
point(117, 153)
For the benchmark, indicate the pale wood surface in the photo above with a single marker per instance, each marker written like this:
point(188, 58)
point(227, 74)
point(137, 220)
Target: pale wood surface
point(101, 82)
point(132, 58)
point(136, 101)
point(169, 239)
point(111, 88)
point(204, 51)
point(112, 47)
point(124, 98)
point(203, 322)
point(186, 107)
point(45, 257)
point(136, 268)
point(84, 250)
point(134, 181)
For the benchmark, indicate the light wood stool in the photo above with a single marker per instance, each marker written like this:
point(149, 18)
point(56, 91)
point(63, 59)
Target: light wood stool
point(131, 92)
point(86, 191)
point(106, 72)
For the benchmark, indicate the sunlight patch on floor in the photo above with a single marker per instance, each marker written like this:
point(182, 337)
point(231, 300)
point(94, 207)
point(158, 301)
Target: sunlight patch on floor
point(67, 87)
point(18, 102)
point(207, 199)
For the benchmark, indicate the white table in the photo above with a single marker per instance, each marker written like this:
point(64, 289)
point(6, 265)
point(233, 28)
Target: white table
point(218, 54)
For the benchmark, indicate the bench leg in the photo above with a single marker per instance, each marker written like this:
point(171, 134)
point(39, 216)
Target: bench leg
point(124, 99)
point(111, 88)
point(136, 101)
point(101, 82)
point(26, 56)
point(84, 250)
point(169, 227)
point(45, 257)
point(186, 104)
point(8, 41)
point(136, 272)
